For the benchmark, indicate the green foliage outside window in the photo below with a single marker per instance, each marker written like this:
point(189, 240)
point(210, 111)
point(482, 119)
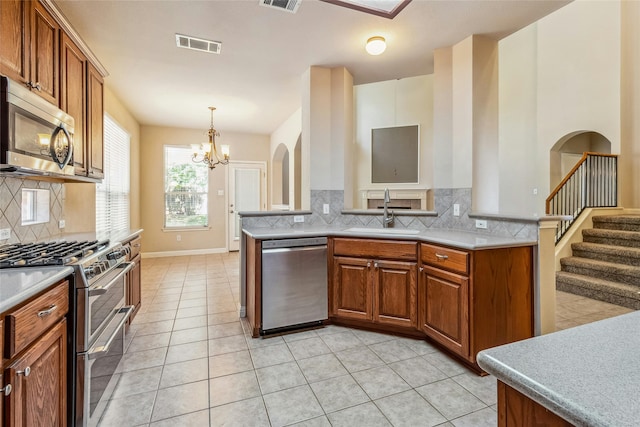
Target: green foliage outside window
point(186, 189)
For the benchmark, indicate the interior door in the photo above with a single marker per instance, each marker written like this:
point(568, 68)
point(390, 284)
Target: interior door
point(247, 192)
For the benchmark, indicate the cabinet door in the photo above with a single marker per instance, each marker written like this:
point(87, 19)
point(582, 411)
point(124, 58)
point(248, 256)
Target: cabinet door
point(39, 379)
point(95, 122)
point(44, 54)
point(72, 98)
point(395, 293)
point(134, 296)
point(352, 293)
point(444, 308)
point(15, 25)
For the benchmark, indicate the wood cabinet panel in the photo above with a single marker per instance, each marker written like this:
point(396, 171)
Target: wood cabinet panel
point(395, 299)
point(29, 47)
point(254, 283)
point(28, 322)
point(44, 53)
point(15, 32)
point(95, 122)
point(352, 296)
point(39, 379)
point(134, 294)
point(444, 308)
point(373, 248)
point(445, 258)
point(73, 97)
point(517, 410)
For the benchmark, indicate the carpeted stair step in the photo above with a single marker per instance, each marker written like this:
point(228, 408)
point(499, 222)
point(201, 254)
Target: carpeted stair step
point(602, 290)
point(602, 270)
point(617, 222)
point(607, 253)
point(612, 237)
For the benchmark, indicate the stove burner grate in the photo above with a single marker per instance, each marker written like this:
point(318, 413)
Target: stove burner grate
point(47, 253)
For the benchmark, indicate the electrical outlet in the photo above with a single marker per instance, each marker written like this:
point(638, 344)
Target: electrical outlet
point(481, 223)
point(5, 234)
point(325, 208)
point(456, 209)
point(178, 238)
point(298, 218)
point(61, 223)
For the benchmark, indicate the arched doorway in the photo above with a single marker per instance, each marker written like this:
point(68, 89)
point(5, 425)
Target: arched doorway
point(566, 153)
point(280, 178)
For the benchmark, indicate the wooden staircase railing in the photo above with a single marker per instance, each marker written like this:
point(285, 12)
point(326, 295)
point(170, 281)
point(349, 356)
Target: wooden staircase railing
point(592, 183)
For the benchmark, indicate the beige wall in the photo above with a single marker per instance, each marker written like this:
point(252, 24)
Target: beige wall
point(287, 134)
point(244, 147)
point(557, 76)
point(79, 204)
point(393, 103)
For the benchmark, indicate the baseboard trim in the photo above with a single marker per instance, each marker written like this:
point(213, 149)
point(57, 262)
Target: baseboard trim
point(184, 253)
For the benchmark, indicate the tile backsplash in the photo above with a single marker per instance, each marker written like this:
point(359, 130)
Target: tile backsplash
point(11, 211)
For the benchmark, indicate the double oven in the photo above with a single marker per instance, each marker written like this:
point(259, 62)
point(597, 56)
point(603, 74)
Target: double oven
point(97, 316)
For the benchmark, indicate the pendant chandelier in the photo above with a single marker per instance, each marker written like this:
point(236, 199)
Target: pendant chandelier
point(208, 153)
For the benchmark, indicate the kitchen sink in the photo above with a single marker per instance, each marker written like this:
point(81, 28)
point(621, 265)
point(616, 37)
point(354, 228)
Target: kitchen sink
point(383, 230)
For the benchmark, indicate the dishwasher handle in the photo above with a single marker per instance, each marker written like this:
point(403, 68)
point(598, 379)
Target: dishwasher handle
point(297, 249)
point(293, 243)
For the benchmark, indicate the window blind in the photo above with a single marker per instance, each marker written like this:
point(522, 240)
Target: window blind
point(112, 195)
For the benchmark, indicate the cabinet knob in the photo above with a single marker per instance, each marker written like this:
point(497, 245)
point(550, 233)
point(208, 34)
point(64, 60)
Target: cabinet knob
point(36, 86)
point(375, 265)
point(6, 390)
point(26, 372)
point(421, 269)
point(369, 264)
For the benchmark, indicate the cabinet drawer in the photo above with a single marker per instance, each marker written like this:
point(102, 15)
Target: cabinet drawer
point(446, 258)
point(28, 322)
point(135, 246)
point(373, 248)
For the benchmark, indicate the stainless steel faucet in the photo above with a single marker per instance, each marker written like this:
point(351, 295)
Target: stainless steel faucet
point(387, 220)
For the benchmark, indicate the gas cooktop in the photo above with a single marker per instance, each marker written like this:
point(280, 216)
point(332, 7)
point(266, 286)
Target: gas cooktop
point(48, 253)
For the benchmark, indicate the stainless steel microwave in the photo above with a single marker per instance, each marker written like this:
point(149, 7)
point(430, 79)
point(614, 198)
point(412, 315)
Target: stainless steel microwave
point(36, 137)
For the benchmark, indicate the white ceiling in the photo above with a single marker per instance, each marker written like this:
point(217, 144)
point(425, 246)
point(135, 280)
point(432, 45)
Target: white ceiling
point(255, 81)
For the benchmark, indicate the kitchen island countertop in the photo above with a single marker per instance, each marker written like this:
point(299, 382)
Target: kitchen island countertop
point(589, 375)
point(19, 284)
point(449, 237)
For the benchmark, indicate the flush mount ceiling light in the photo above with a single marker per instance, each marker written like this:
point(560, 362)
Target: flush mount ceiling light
point(208, 153)
point(376, 45)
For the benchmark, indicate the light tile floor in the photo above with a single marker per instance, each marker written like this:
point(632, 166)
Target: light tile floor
point(190, 363)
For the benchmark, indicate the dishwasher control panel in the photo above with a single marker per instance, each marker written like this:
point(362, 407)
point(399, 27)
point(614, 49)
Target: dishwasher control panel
point(294, 243)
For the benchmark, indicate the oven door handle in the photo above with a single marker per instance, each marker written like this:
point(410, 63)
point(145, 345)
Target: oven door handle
point(104, 346)
point(100, 290)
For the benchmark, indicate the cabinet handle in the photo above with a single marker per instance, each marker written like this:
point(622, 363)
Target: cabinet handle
point(442, 257)
point(6, 390)
point(26, 371)
point(35, 86)
point(48, 311)
point(137, 245)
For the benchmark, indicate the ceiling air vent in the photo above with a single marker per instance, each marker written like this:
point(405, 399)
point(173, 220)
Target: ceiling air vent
point(286, 5)
point(195, 43)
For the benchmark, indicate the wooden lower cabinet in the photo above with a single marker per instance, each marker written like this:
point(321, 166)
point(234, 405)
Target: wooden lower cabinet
point(517, 410)
point(39, 380)
point(375, 290)
point(473, 300)
point(444, 308)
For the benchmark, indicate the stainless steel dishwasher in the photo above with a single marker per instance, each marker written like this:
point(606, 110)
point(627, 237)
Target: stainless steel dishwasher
point(294, 283)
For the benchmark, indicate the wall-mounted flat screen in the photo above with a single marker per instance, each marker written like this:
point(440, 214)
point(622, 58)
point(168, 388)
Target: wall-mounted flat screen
point(395, 154)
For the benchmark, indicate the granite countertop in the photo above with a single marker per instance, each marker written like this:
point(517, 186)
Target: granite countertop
point(589, 375)
point(456, 238)
point(19, 284)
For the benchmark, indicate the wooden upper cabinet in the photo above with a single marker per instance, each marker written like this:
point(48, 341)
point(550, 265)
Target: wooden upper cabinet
point(95, 122)
point(73, 97)
point(29, 50)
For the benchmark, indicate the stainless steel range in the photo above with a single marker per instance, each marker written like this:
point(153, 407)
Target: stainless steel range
point(97, 315)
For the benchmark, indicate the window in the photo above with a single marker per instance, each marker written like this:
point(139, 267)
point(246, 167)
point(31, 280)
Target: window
point(112, 195)
point(186, 189)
